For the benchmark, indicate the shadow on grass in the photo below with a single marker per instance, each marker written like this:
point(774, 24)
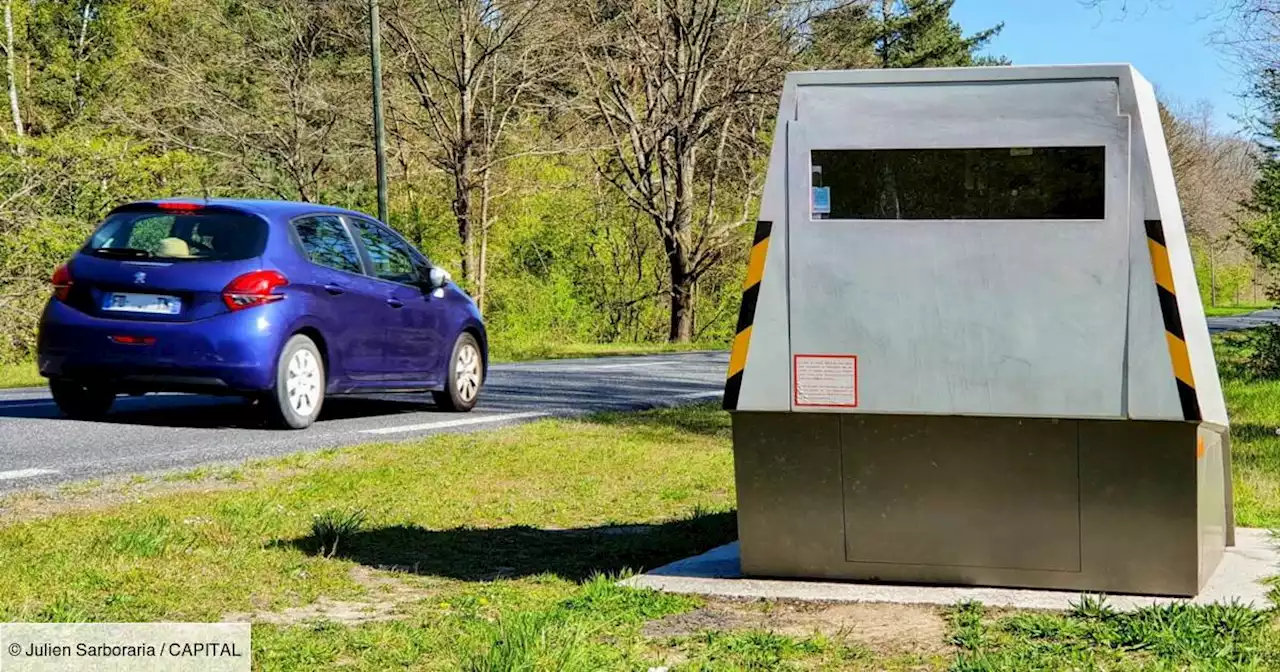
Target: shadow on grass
point(471, 554)
point(1252, 431)
point(705, 419)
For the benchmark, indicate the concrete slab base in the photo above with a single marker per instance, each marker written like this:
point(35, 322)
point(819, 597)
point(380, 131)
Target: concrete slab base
point(1240, 577)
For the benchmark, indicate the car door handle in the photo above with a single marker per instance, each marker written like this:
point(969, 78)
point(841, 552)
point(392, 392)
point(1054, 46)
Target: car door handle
point(334, 289)
point(395, 303)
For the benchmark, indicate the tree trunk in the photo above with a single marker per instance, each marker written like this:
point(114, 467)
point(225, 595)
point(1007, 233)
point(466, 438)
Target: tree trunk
point(681, 324)
point(481, 270)
point(462, 213)
point(463, 164)
point(681, 328)
point(85, 14)
point(12, 71)
point(1213, 277)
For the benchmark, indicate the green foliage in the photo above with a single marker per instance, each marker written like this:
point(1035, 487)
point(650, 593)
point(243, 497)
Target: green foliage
point(1258, 352)
point(1261, 233)
point(129, 99)
point(331, 527)
point(1229, 284)
point(57, 191)
point(899, 34)
point(1094, 636)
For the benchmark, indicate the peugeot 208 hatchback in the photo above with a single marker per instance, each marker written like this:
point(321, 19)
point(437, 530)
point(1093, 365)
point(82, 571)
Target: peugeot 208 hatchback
point(282, 302)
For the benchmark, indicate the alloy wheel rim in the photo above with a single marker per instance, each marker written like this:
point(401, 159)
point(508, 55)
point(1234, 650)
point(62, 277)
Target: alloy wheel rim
point(467, 372)
point(303, 383)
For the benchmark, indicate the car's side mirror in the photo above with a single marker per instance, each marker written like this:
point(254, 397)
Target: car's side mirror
point(436, 278)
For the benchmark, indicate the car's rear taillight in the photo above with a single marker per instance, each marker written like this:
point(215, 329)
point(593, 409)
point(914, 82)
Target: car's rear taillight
point(179, 206)
point(61, 282)
point(254, 289)
point(124, 339)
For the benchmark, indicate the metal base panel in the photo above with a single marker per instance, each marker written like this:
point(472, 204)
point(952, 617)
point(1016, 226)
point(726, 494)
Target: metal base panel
point(1092, 505)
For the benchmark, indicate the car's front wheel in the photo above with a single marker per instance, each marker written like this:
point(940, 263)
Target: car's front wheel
point(465, 376)
point(81, 402)
point(295, 403)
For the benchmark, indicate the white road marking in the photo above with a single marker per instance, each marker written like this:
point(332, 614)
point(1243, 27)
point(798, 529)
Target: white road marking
point(24, 473)
point(461, 422)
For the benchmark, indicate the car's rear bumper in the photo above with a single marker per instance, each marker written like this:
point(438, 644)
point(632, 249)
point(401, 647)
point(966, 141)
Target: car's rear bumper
point(230, 353)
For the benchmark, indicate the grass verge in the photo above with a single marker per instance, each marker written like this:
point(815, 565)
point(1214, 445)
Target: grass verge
point(1232, 311)
point(20, 375)
point(1253, 404)
point(536, 351)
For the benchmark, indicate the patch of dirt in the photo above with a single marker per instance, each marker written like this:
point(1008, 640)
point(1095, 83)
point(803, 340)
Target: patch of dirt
point(881, 627)
point(41, 504)
point(112, 491)
point(386, 595)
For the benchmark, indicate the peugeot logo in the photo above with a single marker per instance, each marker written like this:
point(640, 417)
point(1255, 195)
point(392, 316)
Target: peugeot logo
point(139, 278)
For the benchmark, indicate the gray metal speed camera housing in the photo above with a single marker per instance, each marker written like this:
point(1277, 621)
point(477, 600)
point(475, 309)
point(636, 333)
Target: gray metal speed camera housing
point(971, 349)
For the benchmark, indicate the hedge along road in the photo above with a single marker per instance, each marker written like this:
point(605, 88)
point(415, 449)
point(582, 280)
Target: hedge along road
point(156, 432)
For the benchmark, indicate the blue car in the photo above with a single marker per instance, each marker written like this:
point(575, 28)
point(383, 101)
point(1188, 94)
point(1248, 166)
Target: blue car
point(285, 303)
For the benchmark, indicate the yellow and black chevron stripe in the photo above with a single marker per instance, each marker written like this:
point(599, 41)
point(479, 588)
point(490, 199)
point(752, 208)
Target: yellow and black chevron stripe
point(1172, 321)
point(746, 314)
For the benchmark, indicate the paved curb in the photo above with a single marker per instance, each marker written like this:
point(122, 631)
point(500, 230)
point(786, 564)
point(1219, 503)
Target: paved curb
point(1240, 577)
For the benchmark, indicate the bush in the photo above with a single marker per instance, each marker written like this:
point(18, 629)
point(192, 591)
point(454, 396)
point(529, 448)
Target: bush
point(1262, 359)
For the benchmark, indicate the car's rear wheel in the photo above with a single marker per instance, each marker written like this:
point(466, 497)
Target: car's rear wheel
point(295, 403)
point(466, 375)
point(79, 401)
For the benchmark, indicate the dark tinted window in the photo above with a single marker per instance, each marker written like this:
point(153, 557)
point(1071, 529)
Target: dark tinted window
point(325, 242)
point(391, 258)
point(1010, 183)
point(187, 236)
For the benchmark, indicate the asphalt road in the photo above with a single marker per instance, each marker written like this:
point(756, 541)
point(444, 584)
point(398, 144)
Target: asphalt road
point(39, 448)
point(1254, 319)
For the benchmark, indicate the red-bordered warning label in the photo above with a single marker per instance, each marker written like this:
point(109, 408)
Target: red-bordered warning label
point(826, 380)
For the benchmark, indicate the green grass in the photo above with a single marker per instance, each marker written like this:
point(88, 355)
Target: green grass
point(1253, 404)
point(488, 546)
point(1231, 311)
point(500, 551)
point(20, 375)
point(1094, 637)
point(536, 351)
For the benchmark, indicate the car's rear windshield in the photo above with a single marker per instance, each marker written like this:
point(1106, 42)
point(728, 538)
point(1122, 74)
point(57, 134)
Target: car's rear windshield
point(181, 236)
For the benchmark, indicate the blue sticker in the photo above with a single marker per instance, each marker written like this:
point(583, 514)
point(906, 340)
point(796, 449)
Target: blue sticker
point(822, 200)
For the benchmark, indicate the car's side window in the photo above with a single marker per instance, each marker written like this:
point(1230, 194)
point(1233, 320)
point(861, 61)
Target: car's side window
point(325, 242)
point(391, 258)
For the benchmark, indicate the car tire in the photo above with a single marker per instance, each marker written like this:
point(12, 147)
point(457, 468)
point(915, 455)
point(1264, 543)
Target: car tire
point(300, 380)
point(81, 402)
point(465, 376)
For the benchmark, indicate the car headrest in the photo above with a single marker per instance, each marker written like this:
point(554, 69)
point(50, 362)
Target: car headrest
point(173, 247)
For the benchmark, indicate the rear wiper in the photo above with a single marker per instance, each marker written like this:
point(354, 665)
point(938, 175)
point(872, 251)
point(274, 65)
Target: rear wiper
point(130, 252)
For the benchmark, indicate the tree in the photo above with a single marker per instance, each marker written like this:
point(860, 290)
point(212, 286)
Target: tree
point(11, 73)
point(921, 34)
point(681, 89)
point(1214, 174)
point(473, 68)
point(895, 34)
point(1263, 231)
point(263, 86)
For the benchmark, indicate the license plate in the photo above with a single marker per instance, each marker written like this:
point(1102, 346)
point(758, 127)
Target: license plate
point(156, 304)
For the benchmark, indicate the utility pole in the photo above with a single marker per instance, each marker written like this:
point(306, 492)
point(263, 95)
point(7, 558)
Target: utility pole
point(379, 135)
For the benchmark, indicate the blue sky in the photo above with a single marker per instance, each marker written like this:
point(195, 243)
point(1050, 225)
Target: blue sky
point(1169, 41)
